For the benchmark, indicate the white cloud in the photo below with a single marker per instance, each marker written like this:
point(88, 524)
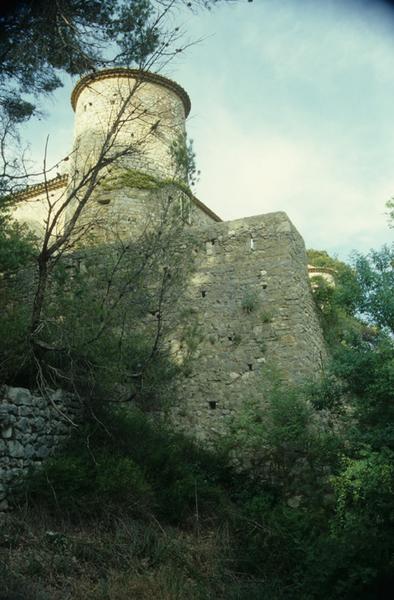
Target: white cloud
point(247, 173)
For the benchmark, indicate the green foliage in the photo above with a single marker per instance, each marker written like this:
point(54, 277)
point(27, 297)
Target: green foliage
point(15, 587)
point(266, 316)
point(87, 484)
point(182, 152)
point(121, 460)
point(133, 178)
point(249, 301)
point(375, 278)
point(290, 449)
point(106, 315)
point(41, 39)
point(361, 530)
point(367, 372)
point(15, 352)
point(310, 517)
point(18, 245)
point(336, 304)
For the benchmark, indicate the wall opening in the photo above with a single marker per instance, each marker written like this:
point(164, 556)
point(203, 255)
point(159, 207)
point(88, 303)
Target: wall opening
point(250, 366)
point(203, 293)
point(212, 404)
point(210, 246)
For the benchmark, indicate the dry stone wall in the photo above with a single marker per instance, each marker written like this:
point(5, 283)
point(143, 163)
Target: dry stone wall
point(32, 426)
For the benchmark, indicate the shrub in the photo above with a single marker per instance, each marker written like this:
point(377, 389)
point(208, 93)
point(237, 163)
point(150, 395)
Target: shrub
point(250, 301)
point(123, 460)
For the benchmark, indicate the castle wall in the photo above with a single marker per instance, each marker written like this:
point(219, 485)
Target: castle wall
point(251, 297)
point(32, 208)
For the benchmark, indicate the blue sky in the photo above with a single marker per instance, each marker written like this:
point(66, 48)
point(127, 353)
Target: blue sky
point(292, 109)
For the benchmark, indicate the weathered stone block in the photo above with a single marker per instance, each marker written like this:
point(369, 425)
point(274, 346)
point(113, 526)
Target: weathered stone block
point(15, 449)
point(6, 432)
point(17, 395)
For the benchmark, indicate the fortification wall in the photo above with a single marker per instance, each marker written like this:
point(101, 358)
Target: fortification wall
point(250, 304)
point(31, 207)
point(125, 211)
point(252, 300)
point(32, 427)
point(249, 298)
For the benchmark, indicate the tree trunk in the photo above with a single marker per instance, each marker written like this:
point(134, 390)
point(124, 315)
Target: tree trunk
point(39, 297)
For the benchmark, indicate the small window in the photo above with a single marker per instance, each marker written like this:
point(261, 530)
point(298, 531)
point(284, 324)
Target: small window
point(251, 243)
point(203, 293)
point(212, 404)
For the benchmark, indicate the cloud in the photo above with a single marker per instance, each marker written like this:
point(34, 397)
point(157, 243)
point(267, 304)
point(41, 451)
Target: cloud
point(254, 172)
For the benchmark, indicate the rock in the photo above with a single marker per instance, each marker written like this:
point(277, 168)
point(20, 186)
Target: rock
point(42, 452)
point(6, 432)
point(294, 501)
point(15, 449)
point(234, 376)
point(30, 451)
point(23, 424)
point(18, 395)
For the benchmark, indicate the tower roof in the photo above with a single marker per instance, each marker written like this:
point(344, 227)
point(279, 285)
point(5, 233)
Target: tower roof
point(132, 74)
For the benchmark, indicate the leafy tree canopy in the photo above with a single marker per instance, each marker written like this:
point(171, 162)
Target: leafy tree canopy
point(40, 39)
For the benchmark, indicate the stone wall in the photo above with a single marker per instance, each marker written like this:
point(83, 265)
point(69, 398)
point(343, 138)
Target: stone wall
point(31, 207)
point(250, 305)
point(31, 428)
point(251, 298)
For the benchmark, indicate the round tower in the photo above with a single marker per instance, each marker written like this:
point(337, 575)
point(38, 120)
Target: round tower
point(132, 123)
point(146, 111)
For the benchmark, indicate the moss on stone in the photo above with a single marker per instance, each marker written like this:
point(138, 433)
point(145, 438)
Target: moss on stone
point(134, 178)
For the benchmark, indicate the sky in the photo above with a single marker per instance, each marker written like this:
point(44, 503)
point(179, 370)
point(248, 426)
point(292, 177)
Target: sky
point(292, 110)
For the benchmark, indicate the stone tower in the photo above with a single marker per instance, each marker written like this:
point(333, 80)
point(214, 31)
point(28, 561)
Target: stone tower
point(147, 110)
point(138, 118)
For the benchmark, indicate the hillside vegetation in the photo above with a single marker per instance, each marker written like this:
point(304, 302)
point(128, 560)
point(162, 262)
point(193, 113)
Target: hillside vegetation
point(130, 509)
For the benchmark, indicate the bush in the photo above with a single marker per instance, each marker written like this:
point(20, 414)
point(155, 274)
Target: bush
point(124, 460)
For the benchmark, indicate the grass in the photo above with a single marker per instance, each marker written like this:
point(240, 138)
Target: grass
point(47, 558)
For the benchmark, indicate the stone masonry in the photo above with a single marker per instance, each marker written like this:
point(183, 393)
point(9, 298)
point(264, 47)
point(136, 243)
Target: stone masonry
point(31, 428)
point(249, 294)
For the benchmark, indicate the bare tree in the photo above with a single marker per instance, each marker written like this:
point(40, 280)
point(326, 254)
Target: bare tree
point(140, 278)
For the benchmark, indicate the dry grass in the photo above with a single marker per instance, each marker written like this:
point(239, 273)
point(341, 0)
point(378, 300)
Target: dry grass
point(43, 558)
